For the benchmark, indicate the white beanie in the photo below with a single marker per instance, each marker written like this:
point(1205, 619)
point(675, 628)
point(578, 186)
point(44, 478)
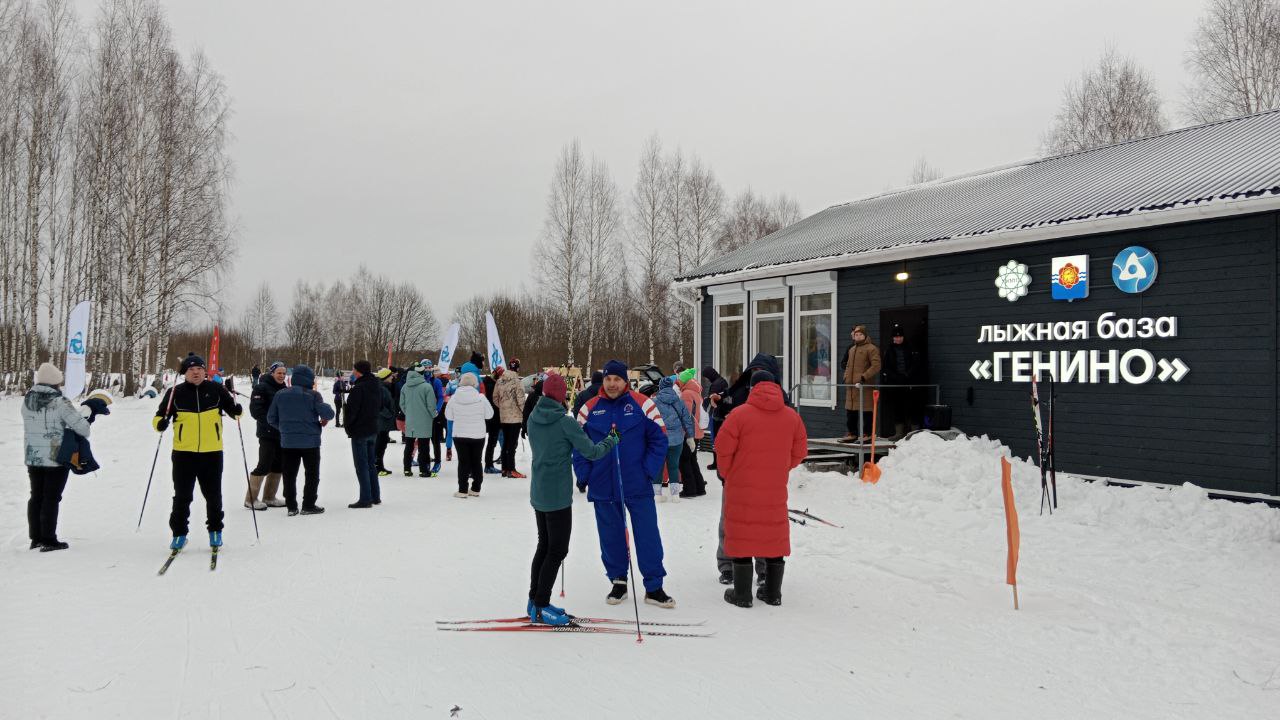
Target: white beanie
point(47, 374)
point(468, 380)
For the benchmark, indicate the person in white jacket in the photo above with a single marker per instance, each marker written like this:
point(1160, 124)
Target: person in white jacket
point(468, 410)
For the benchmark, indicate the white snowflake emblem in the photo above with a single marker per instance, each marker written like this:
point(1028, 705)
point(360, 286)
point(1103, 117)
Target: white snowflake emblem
point(1012, 281)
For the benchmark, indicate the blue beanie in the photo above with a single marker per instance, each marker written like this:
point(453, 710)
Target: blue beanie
point(303, 377)
point(616, 367)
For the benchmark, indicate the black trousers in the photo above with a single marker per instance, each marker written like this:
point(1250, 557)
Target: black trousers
point(190, 468)
point(438, 428)
point(268, 456)
point(691, 473)
point(384, 439)
point(494, 428)
point(469, 467)
point(424, 453)
point(309, 458)
point(47, 484)
point(851, 422)
point(337, 410)
point(554, 529)
point(510, 441)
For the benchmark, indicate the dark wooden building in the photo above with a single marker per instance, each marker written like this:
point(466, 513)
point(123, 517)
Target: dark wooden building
point(1142, 276)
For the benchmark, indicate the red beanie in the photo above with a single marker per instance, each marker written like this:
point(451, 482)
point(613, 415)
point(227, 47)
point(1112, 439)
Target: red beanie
point(554, 388)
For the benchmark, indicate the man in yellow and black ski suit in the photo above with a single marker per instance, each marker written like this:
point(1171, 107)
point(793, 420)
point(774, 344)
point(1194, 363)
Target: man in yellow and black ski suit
point(197, 445)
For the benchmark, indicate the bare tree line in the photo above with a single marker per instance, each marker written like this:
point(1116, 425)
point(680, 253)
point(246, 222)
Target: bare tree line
point(1234, 63)
point(113, 175)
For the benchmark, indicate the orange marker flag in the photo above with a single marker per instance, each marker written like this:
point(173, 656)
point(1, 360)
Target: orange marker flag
point(1011, 527)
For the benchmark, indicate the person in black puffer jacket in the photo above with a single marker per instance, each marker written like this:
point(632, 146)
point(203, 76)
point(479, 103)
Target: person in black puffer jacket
point(268, 469)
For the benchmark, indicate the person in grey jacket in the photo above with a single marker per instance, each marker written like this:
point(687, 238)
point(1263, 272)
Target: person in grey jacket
point(299, 412)
point(680, 430)
point(46, 414)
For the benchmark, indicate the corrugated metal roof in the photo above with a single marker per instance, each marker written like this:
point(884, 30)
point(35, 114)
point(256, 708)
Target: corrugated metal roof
point(1226, 160)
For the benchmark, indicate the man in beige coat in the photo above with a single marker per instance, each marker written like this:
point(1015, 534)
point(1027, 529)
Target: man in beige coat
point(508, 396)
point(862, 367)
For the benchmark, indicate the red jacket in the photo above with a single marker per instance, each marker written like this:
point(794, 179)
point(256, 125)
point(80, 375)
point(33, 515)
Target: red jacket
point(756, 448)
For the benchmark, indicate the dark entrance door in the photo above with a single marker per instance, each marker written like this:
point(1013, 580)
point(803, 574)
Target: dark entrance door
point(905, 408)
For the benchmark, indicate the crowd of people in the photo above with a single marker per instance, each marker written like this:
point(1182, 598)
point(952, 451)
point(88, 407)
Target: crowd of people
point(626, 451)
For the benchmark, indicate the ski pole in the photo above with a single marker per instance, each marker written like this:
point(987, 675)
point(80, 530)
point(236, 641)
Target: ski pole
point(561, 578)
point(253, 503)
point(156, 457)
point(626, 534)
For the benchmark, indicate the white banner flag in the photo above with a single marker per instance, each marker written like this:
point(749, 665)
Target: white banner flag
point(77, 346)
point(450, 347)
point(497, 359)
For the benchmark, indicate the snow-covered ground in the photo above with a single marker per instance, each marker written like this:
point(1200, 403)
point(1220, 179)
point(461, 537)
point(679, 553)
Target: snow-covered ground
point(1136, 603)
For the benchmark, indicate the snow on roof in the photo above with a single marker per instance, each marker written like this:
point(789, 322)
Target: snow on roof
point(1226, 160)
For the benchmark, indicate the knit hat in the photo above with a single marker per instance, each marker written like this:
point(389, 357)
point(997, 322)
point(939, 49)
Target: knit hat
point(862, 329)
point(615, 367)
point(103, 395)
point(555, 388)
point(897, 331)
point(686, 376)
point(514, 363)
point(303, 376)
point(468, 380)
point(497, 372)
point(190, 361)
point(363, 367)
point(274, 366)
point(48, 374)
point(762, 376)
point(597, 377)
point(383, 374)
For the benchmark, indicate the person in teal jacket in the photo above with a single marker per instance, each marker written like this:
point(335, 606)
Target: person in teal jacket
point(553, 436)
point(419, 403)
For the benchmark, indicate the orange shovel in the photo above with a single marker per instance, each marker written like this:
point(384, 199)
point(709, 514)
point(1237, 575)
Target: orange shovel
point(871, 473)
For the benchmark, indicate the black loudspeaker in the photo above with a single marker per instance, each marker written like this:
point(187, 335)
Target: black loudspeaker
point(937, 417)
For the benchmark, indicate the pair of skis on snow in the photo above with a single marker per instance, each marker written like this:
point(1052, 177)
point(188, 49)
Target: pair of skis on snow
point(1044, 445)
point(802, 517)
point(581, 625)
point(213, 560)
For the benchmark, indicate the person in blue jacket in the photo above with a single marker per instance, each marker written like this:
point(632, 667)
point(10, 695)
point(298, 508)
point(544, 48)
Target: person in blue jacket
point(620, 483)
point(299, 412)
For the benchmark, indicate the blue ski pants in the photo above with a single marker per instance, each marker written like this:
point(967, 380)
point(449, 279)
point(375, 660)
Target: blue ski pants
point(611, 524)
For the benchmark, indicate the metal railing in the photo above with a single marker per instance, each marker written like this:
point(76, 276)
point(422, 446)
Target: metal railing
point(863, 391)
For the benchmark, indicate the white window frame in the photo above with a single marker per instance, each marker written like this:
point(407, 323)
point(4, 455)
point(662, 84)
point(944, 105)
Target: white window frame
point(730, 294)
point(770, 289)
point(819, 283)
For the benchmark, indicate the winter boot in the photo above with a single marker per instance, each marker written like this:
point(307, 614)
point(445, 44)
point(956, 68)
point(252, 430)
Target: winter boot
point(726, 577)
point(771, 592)
point(270, 489)
point(530, 610)
point(659, 598)
point(178, 542)
point(618, 593)
point(55, 544)
point(676, 490)
point(657, 493)
point(517, 475)
point(215, 538)
point(251, 500)
point(549, 616)
point(491, 470)
point(740, 593)
point(312, 510)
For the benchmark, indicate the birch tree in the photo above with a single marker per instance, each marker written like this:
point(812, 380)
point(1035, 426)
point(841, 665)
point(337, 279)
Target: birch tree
point(1112, 102)
point(1234, 60)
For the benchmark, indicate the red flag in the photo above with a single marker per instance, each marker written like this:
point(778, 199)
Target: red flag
point(1011, 525)
point(213, 353)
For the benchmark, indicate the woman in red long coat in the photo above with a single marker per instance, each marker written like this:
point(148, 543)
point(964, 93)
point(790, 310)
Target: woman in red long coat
point(756, 448)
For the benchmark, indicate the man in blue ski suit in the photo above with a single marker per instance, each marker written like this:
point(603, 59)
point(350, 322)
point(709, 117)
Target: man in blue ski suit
point(638, 457)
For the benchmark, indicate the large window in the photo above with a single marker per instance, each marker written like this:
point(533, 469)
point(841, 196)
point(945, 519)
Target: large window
point(815, 320)
point(730, 338)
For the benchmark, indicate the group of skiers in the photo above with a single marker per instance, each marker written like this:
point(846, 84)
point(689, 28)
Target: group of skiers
point(617, 446)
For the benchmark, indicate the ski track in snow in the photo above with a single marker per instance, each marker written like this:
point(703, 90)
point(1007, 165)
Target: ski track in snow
point(1139, 603)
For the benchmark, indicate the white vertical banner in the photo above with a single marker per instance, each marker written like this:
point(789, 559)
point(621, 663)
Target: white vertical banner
point(77, 346)
point(450, 347)
point(497, 359)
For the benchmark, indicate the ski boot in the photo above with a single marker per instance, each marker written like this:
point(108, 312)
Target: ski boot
point(435, 470)
point(178, 542)
point(491, 470)
point(215, 538)
point(531, 610)
point(549, 616)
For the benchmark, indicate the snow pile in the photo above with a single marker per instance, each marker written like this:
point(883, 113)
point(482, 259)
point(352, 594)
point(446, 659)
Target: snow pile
point(964, 474)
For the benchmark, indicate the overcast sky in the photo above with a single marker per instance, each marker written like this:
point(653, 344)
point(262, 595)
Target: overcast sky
point(419, 137)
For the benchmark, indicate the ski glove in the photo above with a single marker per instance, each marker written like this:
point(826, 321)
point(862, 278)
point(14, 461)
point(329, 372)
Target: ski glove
point(613, 433)
point(162, 424)
point(238, 410)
